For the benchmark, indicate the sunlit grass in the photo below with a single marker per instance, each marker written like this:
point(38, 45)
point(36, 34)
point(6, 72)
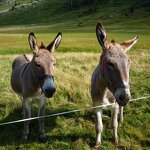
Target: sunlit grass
point(76, 131)
point(77, 56)
point(71, 42)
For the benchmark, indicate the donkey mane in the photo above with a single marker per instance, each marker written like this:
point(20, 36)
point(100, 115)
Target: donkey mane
point(113, 41)
point(42, 46)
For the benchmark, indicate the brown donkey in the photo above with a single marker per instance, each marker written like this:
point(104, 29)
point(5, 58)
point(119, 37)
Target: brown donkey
point(110, 81)
point(33, 78)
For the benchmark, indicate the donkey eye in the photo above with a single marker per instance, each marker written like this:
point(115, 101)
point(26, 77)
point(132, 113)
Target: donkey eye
point(111, 65)
point(38, 66)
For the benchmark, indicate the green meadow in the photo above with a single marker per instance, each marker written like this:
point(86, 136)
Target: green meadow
point(76, 59)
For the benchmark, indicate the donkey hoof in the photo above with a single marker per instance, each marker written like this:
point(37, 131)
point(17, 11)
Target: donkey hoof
point(116, 143)
point(43, 139)
point(96, 147)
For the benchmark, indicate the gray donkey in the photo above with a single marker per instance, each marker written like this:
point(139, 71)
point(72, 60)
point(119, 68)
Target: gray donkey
point(33, 78)
point(110, 81)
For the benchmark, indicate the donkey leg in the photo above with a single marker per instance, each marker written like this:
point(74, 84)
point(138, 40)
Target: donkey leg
point(120, 119)
point(114, 119)
point(26, 114)
point(98, 127)
point(42, 136)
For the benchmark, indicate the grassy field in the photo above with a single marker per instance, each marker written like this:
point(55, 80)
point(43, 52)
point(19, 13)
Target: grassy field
point(73, 41)
point(76, 57)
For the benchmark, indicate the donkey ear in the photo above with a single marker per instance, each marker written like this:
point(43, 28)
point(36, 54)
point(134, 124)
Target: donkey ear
point(55, 43)
point(128, 44)
point(101, 36)
point(33, 43)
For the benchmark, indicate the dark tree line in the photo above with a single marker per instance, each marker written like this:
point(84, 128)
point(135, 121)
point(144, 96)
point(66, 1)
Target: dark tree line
point(79, 3)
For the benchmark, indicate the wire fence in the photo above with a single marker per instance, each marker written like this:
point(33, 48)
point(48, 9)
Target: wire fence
point(68, 112)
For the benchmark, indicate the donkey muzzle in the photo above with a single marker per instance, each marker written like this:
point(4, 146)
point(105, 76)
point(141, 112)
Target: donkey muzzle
point(122, 96)
point(48, 87)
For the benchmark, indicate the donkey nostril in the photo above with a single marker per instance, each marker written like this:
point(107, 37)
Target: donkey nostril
point(50, 90)
point(46, 91)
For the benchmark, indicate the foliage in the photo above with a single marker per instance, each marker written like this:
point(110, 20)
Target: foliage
point(86, 11)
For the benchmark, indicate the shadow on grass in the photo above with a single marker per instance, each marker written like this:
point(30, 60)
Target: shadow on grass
point(12, 134)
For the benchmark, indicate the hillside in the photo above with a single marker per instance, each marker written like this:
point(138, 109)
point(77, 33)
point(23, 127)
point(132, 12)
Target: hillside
point(79, 13)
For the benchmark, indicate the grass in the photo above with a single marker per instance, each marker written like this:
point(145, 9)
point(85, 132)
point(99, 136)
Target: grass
point(57, 12)
point(77, 57)
point(72, 41)
point(72, 77)
point(10, 5)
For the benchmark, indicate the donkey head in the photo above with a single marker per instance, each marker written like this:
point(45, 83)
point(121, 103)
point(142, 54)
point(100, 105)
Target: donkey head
point(43, 63)
point(115, 64)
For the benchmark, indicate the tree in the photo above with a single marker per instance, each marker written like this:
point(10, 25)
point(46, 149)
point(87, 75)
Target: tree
point(70, 4)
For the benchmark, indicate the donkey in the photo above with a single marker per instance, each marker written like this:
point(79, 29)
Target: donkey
point(33, 78)
point(110, 81)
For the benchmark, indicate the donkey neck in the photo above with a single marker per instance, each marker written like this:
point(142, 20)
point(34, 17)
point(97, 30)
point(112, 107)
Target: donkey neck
point(98, 82)
point(35, 80)
point(100, 77)
point(31, 85)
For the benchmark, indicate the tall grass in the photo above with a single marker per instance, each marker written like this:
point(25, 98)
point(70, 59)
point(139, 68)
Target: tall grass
point(77, 57)
point(76, 131)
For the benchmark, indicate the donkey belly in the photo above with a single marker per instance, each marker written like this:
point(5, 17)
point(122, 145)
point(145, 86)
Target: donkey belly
point(18, 67)
point(15, 81)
